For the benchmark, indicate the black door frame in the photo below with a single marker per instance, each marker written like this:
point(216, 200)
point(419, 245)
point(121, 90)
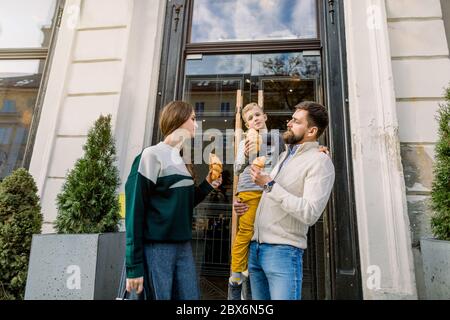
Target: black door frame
point(344, 263)
point(344, 248)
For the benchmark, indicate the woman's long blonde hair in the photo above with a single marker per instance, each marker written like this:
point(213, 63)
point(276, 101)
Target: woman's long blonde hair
point(172, 116)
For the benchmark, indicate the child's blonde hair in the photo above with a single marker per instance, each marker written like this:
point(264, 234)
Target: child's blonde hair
point(248, 107)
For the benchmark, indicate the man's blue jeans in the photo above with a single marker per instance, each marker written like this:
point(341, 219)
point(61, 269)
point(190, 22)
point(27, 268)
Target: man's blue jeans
point(276, 271)
point(171, 268)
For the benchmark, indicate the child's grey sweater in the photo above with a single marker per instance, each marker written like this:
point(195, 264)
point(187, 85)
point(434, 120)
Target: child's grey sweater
point(272, 146)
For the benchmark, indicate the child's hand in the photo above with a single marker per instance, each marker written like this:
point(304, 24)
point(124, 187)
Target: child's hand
point(324, 150)
point(248, 144)
point(250, 147)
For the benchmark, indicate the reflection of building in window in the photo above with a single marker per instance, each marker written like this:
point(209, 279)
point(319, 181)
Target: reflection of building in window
point(20, 77)
point(212, 96)
point(199, 107)
point(17, 99)
point(225, 107)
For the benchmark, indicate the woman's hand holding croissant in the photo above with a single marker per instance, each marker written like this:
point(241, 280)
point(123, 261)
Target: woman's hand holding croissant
point(214, 183)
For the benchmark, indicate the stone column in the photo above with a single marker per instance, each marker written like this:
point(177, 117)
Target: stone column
point(383, 226)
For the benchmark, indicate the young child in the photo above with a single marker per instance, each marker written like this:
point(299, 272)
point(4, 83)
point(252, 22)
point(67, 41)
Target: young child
point(247, 191)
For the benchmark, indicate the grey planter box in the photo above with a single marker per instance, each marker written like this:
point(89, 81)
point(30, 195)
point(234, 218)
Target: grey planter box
point(436, 267)
point(75, 267)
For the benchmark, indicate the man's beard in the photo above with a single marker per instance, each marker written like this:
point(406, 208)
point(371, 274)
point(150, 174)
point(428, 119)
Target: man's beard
point(290, 138)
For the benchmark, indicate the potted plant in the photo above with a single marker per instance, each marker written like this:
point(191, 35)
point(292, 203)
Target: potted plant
point(436, 252)
point(84, 260)
point(20, 218)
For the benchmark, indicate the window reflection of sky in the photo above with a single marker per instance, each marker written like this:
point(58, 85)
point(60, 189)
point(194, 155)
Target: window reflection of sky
point(246, 20)
point(17, 68)
point(21, 22)
point(277, 64)
point(220, 64)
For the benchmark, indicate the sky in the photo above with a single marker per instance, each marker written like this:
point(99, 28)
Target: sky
point(21, 22)
point(20, 27)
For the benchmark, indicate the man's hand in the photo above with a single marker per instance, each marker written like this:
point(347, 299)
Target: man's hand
point(259, 177)
point(136, 284)
point(240, 208)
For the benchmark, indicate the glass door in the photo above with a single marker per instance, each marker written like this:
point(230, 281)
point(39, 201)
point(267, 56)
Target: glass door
point(221, 54)
point(218, 86)
point(212, 85)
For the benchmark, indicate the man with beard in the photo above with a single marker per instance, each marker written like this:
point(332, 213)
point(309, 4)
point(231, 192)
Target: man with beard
point(295, 194)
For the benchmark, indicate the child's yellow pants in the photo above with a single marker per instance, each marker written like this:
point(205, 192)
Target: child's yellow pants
point(239, 253)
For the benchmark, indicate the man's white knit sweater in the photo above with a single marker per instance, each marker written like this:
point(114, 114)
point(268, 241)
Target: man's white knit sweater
point(297, 199)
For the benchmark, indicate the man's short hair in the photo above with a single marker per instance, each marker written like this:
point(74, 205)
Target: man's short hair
point(317, 115)
point(248, 107)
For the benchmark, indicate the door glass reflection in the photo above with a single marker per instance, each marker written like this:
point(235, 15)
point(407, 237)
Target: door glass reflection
point(212, 84)
point(19, 87)
point(214, 99)
point(286, 79)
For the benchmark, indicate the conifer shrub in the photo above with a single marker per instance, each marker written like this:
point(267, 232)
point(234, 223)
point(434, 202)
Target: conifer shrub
point(440, 192)
point(88, 202)
point(20, 218)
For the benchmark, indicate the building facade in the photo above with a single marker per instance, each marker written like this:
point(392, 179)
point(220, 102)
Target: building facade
point(380, 67)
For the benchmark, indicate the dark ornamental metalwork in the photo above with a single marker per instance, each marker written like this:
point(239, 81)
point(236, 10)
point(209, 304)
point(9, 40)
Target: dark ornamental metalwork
point(331, 10)
point(177, 13)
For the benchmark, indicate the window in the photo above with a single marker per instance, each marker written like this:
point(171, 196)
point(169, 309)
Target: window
point(199, 107)
point(9, 106)
point(250, 20)
point(26, 35)
point(224, 107)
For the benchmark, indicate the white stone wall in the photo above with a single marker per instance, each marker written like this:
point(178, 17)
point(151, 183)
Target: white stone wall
point(387, 267)
point(91, 74)
point(421, 69)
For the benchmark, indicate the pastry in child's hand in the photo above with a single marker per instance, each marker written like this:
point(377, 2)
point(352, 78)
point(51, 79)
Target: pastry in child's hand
point(254, 137)
point(260, 162)
point(215, 166)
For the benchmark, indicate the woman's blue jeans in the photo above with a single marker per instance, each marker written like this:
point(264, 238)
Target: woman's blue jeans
point(171, 268)
point(276, 271)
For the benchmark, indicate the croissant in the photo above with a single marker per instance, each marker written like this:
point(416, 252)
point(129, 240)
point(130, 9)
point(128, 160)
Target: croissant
point(260, 162)
point(215, 166)
point(254, 136)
